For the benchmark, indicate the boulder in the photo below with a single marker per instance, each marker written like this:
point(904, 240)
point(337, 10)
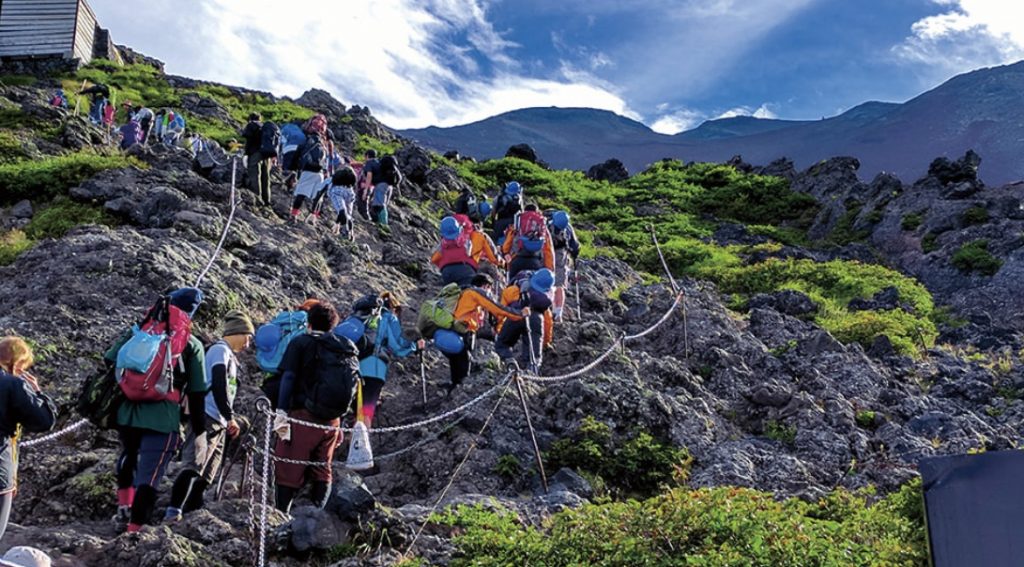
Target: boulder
point(22, 209)
point(414, 162)
point(789, 302)
point(525, 152)
point(611, 171)
point(350, 498)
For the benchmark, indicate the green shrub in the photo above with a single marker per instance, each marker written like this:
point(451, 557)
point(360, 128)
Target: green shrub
point(911, 221)
point(53, 176)
point(844, 233)
point(12, 243)
point(364, 143)
point(930, 242)
point(639, 464)
point(11, 149)
point(713, 527)
point(866, 419)
point(63, 214)
point(975, 215)
point(975, 257)
point(777, 431)
point(508, 466)
point(18, 80)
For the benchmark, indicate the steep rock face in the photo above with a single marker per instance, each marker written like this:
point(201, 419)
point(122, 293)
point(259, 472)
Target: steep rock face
point(611, 171)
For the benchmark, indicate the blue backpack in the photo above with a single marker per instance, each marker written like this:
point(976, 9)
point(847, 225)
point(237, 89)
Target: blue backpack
point(271, 339)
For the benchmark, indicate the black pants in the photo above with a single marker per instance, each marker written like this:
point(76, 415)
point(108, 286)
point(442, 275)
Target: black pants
point(521, 263)
point(513, 332)
point(460, 363)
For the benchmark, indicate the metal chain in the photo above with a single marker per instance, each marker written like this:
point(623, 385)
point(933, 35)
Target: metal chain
point(406, 427)
point(56, 434)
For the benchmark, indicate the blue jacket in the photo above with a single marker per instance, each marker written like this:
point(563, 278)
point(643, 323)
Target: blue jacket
point(20, 404)
point(389, 340)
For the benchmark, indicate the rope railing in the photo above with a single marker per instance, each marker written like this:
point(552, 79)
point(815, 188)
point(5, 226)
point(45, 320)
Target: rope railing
point(227, 226)
point(55, 435)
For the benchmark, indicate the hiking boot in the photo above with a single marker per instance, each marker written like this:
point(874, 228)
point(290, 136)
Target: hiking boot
point(510, 364)
point(172, 515)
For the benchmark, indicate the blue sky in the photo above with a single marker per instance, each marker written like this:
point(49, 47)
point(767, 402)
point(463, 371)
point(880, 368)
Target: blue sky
point(668, 63)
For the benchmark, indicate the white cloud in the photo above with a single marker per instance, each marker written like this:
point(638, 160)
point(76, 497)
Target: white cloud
point(677, 121)
point(762, 111)
point(971, 34)
point(414, 62)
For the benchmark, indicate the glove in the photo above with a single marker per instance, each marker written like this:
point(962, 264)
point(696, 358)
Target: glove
point(282, 426)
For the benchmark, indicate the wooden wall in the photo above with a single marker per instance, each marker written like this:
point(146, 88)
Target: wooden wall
point(64, 28)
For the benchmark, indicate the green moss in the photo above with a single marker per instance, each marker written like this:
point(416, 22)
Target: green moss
point(866, 419)
point(53, 176)
point(777, 431)
point(11, 149)
point(63, 214)
point(975, 215)
point(12, 244)
point(508, 466)
point(975, 257)
point(364, 143)
point(930, 242)
point(911, 221)
point(18, 80)
point(721, 527)
point(844, 233)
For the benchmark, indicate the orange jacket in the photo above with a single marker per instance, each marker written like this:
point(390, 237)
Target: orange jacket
point(473, 303)
point(509, 296)
point(483, 247)
point(548, 250)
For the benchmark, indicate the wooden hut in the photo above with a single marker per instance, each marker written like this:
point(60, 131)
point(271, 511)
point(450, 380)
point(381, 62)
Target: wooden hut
point(49, 29)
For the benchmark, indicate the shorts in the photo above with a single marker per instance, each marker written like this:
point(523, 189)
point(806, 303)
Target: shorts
point(206, 462)
point(562, 268)
point(306, 444)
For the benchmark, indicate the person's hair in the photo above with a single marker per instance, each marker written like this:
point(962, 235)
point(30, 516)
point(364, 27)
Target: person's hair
point(14, 351)
point(391, 302)
point(323, 317)
point(305, 305)
point(481, 280)
point(255, 116)
point(371, 153)
point(531, 207)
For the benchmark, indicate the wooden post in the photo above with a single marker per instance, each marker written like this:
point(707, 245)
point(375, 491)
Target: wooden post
point(533, 434)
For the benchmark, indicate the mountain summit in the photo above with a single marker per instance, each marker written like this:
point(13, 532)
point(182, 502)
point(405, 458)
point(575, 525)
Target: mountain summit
point(981, 110)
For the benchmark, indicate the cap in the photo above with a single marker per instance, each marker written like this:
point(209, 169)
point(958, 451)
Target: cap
point(450, 228)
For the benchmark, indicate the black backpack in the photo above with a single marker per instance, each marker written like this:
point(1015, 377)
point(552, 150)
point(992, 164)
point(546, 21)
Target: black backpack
point(331, 379)
point(100, 397)
point(508, 206)
point(270, 140)
point(344, 177)
point(313, 155)
point(389, 172)
point(465, 204)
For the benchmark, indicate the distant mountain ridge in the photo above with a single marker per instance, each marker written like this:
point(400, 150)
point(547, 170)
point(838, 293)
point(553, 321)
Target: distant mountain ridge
point(981, 110)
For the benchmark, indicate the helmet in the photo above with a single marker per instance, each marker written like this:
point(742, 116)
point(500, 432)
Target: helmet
point(542, 280)
point(485, 209)
point(513, 188)
point(560, 219)
point(352, 329)
point(450, 228)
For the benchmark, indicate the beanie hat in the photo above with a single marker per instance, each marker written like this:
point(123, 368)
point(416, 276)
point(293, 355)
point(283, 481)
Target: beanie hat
point(542, 280)
point(450, 228)
point(238, 323)
point(24, 556)
point(187, 299)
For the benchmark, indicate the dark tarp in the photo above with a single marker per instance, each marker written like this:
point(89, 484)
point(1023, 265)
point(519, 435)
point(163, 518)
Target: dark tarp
point(975, 509)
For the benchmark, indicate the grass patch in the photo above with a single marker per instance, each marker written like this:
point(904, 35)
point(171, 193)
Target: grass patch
point(12, 244)
point(974, 216)
point(930, 242)
point(364, 143)
point(975, 257)
point(53, 176)
point(62, 215)
point(721, 527)
point(911, 221)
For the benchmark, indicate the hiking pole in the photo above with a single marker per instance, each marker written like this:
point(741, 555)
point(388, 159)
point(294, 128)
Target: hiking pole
point(423, 376)
point(529, 343)
point(533, 434)
point(78, 97)
point(576, 281)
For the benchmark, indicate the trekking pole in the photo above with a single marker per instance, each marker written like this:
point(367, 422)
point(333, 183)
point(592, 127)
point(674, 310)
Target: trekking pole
point(423, 376)
point(529, 343)
point(576, 278)
point(78, 97)
point(533, 434)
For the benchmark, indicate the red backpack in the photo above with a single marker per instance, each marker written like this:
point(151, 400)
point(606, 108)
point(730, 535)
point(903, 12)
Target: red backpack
point(457, 251)
point(531, 231)
point(145, 364)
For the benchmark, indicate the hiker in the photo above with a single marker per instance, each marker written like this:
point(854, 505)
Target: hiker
point(567, 250)
point(383, 188)
point(377, 346)
point(506, 206)
point(312, 163)
point(271, 342)
point(257, 168)
point(25, 556)
point(460, 251)
point(203, 460)
point(150, 431)
point(527, 244)
point(145, 118)
point(318, 376)
point(367, 175)
point(292, 138)
point(59, 100)
point(342, 194)
point(473, 304)
point(131, 134)
point(530, 290)
point(466, 202)
point(23, 408)
point(99, 93)
point(175, 129)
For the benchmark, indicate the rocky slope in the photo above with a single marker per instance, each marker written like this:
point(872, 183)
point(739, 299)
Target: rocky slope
point(762, 399)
